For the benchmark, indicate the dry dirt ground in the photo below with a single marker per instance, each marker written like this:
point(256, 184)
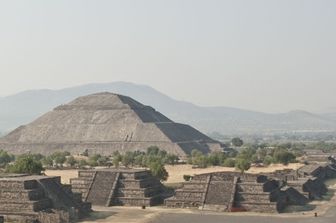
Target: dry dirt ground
point(176, 172)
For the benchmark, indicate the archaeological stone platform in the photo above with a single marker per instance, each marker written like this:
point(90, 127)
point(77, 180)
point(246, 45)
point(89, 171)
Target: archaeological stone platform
point(118, 187)
point(104, 123)
point(44, 199)
point(271, 192)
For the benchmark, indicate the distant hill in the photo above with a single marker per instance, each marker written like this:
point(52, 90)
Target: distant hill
point(22, 108)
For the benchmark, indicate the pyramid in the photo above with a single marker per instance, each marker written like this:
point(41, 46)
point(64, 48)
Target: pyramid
point(104, 123)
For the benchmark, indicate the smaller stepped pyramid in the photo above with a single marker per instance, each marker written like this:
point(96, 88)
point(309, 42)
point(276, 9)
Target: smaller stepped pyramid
point(230, 191)
point(39, 199)
point(259, 196)
point(267, 192)
point(104, 123)
point(207, 191)
point(118, 187)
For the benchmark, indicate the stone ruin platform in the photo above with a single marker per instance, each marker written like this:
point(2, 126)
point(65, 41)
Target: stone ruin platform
point(228, 191)
point(271, 192)
point(118, 187)
point(25, 198)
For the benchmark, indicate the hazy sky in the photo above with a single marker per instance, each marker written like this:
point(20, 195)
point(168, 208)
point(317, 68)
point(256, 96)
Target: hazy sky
point(266, 55)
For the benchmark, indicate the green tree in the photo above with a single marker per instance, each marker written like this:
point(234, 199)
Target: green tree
point(153, 150)
point(229, 162)
point(47, 161)
point(26, 164)
point(103, 161)
point(283, 156)
point(59, 158)
point(237, 142)
point(243, 164)
point(158, 170)
point(116, 159)
point(5, 158)
point(128, 159)
point(82, 163)
point(200, 161)
point(93, 160)
point(171, 159)
point(268, 160)
point(216, 158)
point(71, 161)
point(139, 160)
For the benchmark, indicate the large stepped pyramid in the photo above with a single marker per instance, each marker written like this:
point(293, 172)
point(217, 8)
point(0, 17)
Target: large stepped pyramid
point(112, 187)
point(103, 123)
point(39, 198)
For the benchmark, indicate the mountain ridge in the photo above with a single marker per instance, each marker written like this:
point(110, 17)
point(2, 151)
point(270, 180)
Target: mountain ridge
point(24, 107)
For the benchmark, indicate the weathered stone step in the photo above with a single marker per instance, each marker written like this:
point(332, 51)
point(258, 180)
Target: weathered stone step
point(181, 203)
point(86, 174)
point(134, 201)
point(80, 190)
point(195, 186)
point(191, 190)
point(135, 176)
point(85, 181)
point(260, 197)
point(268, 207)
point(25, 205)
point(18, 185)
point(34, 194)
point(80, 186)
point(188, 195)
point(148, 182)
point(138, 192)
point(250, 188)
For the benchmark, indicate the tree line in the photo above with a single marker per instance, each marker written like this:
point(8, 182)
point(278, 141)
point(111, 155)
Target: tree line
point(154, 159)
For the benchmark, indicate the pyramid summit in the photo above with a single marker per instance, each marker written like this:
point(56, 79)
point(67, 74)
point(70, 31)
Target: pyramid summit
point(104, 123)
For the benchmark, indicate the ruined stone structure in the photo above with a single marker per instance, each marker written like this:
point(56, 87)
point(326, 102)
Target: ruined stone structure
point(103, 123)
point(232, 191)
point(108, 187)
point(39, 199)
point(316, 155)
point(229, 191)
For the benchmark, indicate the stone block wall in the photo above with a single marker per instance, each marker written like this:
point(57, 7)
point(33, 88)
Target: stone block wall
point(39, 198)
point(192, 194)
